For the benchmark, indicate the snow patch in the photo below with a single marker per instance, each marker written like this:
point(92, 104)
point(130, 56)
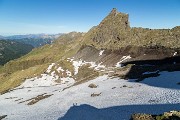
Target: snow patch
point(76, 65)
point(60, 69)
point(175, 54)
point(99, 66)
point(50, 67)
point(122, 59)
point(80, 63)
point(101, 52)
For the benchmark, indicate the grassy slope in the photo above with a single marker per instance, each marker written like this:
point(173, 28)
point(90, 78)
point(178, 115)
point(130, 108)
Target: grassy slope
point(36, 62)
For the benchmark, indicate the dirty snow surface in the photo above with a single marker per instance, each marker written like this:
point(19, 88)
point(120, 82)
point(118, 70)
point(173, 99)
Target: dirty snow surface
point(113, 99)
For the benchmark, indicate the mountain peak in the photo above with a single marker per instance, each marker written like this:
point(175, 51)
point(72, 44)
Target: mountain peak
point(116, 19)
point(114, 11)
point(114, 27)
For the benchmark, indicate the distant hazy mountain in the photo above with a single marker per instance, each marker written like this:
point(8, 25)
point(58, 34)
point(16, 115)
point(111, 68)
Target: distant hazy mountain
point(35, 40)
point(35, 36)
point(1, 37)
point(10, 50)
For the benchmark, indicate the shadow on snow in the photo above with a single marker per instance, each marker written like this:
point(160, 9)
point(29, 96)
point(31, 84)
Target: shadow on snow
point(87, 112)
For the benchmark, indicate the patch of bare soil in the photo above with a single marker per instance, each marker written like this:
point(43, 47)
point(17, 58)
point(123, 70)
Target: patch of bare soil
point(36, 99)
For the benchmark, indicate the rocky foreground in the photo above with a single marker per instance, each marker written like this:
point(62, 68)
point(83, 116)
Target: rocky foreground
point(172, 115)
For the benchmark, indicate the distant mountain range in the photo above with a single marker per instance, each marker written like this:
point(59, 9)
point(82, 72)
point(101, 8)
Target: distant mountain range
point(1, 37)
point(35, 36)
point(35, 40)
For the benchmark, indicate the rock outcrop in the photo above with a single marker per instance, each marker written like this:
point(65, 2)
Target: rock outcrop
point(114, 32)
point(172, 115)
point(2, 117)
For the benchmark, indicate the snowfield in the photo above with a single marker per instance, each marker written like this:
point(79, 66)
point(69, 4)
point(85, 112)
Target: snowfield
point(80, 63)
point(114, 98)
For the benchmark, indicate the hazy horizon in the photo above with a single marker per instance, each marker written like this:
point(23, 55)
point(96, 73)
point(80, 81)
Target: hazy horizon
point(20, 17)
point(12, 34)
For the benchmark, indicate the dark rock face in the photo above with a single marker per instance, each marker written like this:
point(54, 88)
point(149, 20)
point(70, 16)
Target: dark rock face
point(139, 55)
point(2, 117)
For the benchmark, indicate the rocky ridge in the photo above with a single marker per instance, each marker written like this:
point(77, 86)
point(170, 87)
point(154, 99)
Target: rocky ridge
point(114, 32)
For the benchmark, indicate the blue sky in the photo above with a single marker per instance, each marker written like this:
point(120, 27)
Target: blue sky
point(62, 16)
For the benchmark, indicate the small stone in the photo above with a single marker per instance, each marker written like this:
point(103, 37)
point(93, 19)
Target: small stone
point(95, 94)
point(124, 85)
point(92, 85)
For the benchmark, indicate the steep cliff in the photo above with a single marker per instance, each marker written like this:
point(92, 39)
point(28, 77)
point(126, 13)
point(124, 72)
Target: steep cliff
point(114, 32)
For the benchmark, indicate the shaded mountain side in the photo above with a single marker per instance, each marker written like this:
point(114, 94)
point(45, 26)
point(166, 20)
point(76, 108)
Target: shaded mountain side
point(140, 72)
point(142, 59)
point(10, 50)
point(150, 55)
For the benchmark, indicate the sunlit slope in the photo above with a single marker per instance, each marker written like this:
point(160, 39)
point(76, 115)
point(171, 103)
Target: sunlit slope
point(37, 61)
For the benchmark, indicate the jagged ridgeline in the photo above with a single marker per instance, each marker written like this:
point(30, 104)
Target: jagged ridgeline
point(114, 32)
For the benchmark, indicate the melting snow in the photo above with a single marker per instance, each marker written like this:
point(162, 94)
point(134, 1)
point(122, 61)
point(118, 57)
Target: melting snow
point(50, 67)
point(116, 102)
point(101, 52)
point(80, 63)
point(157, 95)
point(76, 65)
point(122, 59)
point(99, 66)
point(60, 69)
